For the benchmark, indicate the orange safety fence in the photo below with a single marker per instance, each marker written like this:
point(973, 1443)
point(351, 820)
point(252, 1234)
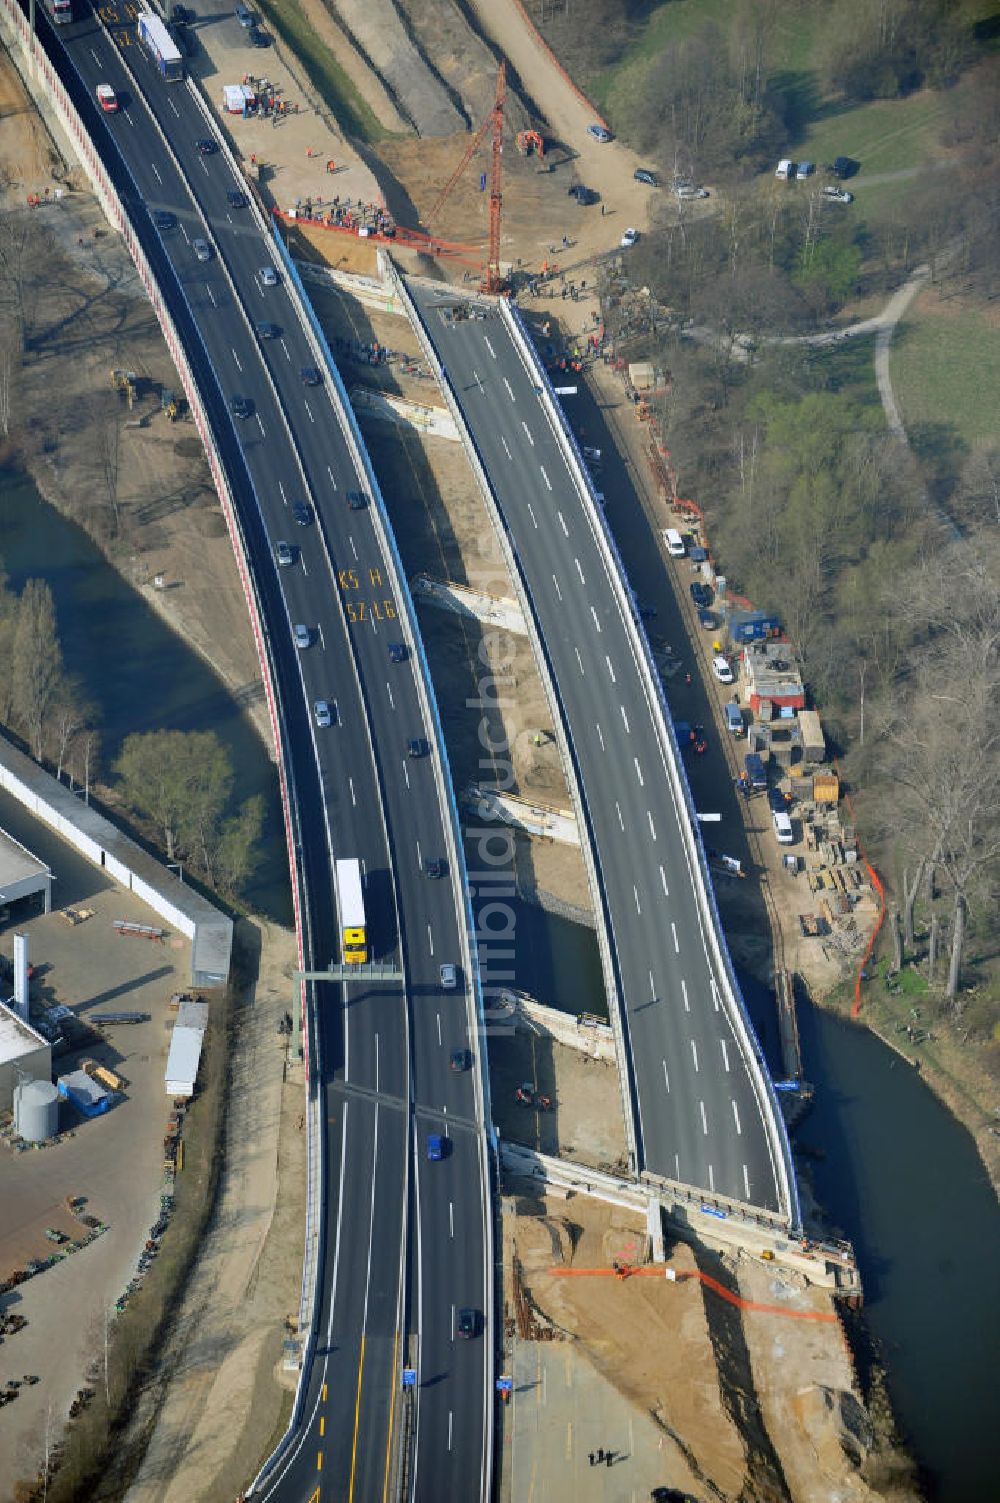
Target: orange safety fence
point(625, 1271)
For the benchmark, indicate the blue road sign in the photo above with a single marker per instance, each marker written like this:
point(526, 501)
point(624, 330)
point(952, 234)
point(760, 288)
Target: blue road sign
point(409, 1377)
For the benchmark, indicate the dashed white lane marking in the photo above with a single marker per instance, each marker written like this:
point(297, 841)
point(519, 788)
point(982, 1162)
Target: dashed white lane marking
point(704, 1119)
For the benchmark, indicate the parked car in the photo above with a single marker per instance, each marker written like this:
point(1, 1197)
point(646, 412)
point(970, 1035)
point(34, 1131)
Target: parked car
point(629, 238)
point(843, 167)
point(777, 801)
point(785, 169)
point(783, 831)
point(244, 15)
point(688, 190)
point(805, 169)
point(701, 594)
point(599, 133)
point(643, 175)
point(583, 196)
point(258, 38)
point(722, 670)
point(839, 195)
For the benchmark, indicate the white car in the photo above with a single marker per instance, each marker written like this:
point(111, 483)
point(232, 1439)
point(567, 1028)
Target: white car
point(303, 636)
point(322, 713)
point(688, 190)
point(722, 670)
point(449, 976)
point(268, 276)
point(107, 98)
point(839, 195)
point(629, 238)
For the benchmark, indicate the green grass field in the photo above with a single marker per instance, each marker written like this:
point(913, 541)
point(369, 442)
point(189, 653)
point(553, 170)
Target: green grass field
point(945, 368)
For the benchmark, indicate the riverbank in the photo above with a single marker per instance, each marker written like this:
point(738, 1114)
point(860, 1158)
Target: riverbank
point(949, 1067)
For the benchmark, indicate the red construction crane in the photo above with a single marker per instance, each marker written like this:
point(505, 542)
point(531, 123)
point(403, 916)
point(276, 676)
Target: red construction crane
point(494, 122)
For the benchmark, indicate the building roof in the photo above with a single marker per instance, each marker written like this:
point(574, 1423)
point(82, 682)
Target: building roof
point(21, 873)
point(17, 1038)
point(184, 1058)
point(192, 1015)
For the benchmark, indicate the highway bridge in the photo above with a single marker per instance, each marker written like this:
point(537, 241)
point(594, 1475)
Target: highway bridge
point(402, 1243)
point(698, 1096)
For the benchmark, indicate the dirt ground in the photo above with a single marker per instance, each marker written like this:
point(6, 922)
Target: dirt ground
point(743, 1400)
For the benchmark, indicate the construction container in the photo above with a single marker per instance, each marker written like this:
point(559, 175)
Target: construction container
point(813, 740)
point(826, 788)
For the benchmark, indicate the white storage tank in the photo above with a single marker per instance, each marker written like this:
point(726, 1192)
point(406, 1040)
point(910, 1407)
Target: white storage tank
point(36, 1111)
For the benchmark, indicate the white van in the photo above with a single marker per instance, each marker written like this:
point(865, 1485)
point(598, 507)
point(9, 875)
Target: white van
point(785, 170)
point(675, 543)
point(783, 828)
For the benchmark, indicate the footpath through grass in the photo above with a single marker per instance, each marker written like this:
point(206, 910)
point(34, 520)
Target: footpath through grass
point(945, 369)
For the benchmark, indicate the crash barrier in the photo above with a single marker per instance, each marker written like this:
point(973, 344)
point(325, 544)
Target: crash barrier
point(732, 996)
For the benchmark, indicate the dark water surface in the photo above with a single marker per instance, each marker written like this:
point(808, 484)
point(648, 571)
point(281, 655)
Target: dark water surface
point(903, 1179)
point(138, 674)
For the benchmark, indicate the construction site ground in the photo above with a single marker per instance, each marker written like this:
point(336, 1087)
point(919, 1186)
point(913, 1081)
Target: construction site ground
point(224, 1402)
point(114, 1161)
point(721, 1402)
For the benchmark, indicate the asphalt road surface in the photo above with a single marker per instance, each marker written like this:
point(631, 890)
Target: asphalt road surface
point(700, 1119)
point(403, 1239)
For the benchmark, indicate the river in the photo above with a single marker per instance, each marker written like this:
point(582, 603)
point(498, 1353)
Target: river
point(137, 673)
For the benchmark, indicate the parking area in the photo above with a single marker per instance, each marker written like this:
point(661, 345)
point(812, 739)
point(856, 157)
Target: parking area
point(110, 1165)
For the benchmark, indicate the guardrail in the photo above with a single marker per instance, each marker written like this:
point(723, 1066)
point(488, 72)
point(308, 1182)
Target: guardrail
point(442, 772)
point(663, 723)
point(58, 98)
point(563, 736)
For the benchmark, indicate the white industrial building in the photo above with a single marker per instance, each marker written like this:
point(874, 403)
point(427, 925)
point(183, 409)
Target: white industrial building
point(24, 1054)
point(22, 876)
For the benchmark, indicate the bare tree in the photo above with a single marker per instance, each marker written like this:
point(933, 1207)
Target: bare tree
point(37, 675)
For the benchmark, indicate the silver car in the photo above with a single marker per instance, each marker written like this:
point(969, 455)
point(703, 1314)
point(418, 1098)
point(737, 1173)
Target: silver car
point(322, 713)
point(268, 276)
point(303, 636)
point(449, 976)
point(202, 249)
point(283, 553)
